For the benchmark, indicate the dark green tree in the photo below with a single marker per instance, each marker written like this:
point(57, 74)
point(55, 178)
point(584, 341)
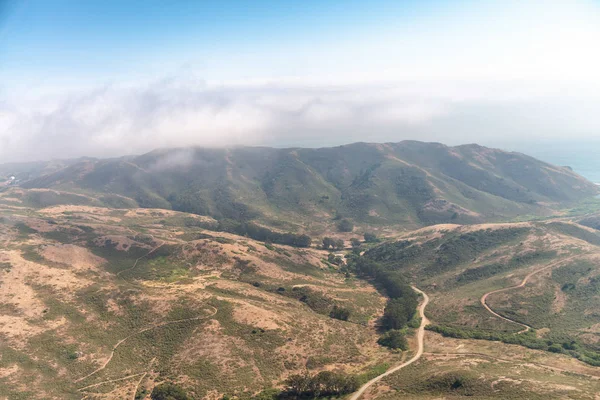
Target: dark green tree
point(394, 339)
point(340, 313)
point(345, 226)
point(168, 391)
point(395, 315)
point(328, 242)
point(370, 237)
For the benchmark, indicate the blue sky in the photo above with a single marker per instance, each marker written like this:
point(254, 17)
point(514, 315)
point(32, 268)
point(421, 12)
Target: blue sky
point(106, 78)
point(95, 40)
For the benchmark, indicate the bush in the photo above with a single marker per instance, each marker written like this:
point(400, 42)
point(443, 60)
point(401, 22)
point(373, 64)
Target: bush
point(333, 259)
point(323, 384)
point(555, 348)
point(370, 237)
point(263, 234)
point(267, 394)
point(340, 313)
point(355, 242)
point(168, 391)
point(345, 226)
point(328, 242)
point(394, 339)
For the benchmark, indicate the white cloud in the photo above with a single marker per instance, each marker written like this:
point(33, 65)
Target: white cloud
point(483, 71)
point(116, 120)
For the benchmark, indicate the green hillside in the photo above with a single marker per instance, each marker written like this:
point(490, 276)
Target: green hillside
point(410, 184)
point(555, 309)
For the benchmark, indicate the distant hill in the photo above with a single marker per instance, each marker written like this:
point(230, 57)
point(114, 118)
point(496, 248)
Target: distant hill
point(410, 184)
point(30, 170)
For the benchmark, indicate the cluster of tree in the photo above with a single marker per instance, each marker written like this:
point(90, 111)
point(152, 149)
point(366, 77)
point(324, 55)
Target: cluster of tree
point(315, 300)
point(263, 234)
point(169, 391)
point(398, 312)
point(335, 244)
point(403, 302)
point(394, 339)
point(438, 255)
point(391, 281)
point(323, 384)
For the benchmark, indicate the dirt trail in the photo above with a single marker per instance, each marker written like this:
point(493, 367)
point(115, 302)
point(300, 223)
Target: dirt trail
point(139, 258)
point(420, 339)
point(520, 285)
point(110, 381)
point(137, 386)
point(517, 362)
point(120, 342)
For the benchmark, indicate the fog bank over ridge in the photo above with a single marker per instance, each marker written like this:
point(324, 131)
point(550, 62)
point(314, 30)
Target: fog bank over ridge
point(115, 120)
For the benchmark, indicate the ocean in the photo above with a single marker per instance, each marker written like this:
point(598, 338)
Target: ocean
point(583, 157)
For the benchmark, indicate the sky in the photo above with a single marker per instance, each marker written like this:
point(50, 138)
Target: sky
point(106, 78)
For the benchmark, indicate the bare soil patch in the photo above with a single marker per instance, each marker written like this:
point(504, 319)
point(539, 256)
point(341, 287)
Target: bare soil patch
point(79, 258)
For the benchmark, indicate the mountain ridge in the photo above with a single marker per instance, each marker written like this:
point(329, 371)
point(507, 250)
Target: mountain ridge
point(407, 183)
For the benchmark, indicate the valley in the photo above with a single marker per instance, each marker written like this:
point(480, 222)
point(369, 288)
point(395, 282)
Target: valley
point(103, 299)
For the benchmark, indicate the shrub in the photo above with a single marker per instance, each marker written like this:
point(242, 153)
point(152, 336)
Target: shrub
point(323, 384)
point(263, 234)
point(394, 339)
point(328, 242)
point(340, 313)
point(345, 226)
point(555, 348)
point(355, 242)
point(370, 237)
point(168, 391)
point(333, 259)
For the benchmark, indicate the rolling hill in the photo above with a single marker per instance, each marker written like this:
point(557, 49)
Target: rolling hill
point(541, 277)
point(121, 276)
point(104, 303)
point(406, 185)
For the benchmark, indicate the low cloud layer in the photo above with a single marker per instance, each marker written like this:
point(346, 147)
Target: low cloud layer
point(178, 112)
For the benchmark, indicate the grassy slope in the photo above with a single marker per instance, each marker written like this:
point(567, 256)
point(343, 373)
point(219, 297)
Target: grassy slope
point(257, 336)
point(244, 328)
point(408, 183)
point(460, 264)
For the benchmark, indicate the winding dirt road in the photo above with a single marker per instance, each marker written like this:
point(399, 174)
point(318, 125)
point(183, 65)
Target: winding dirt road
point(420, 340)
point(520, 285)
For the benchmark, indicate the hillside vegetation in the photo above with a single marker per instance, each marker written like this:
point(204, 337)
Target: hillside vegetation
point(410, 184)
point(242, 273)
point(104, 303)
point(458, 265)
